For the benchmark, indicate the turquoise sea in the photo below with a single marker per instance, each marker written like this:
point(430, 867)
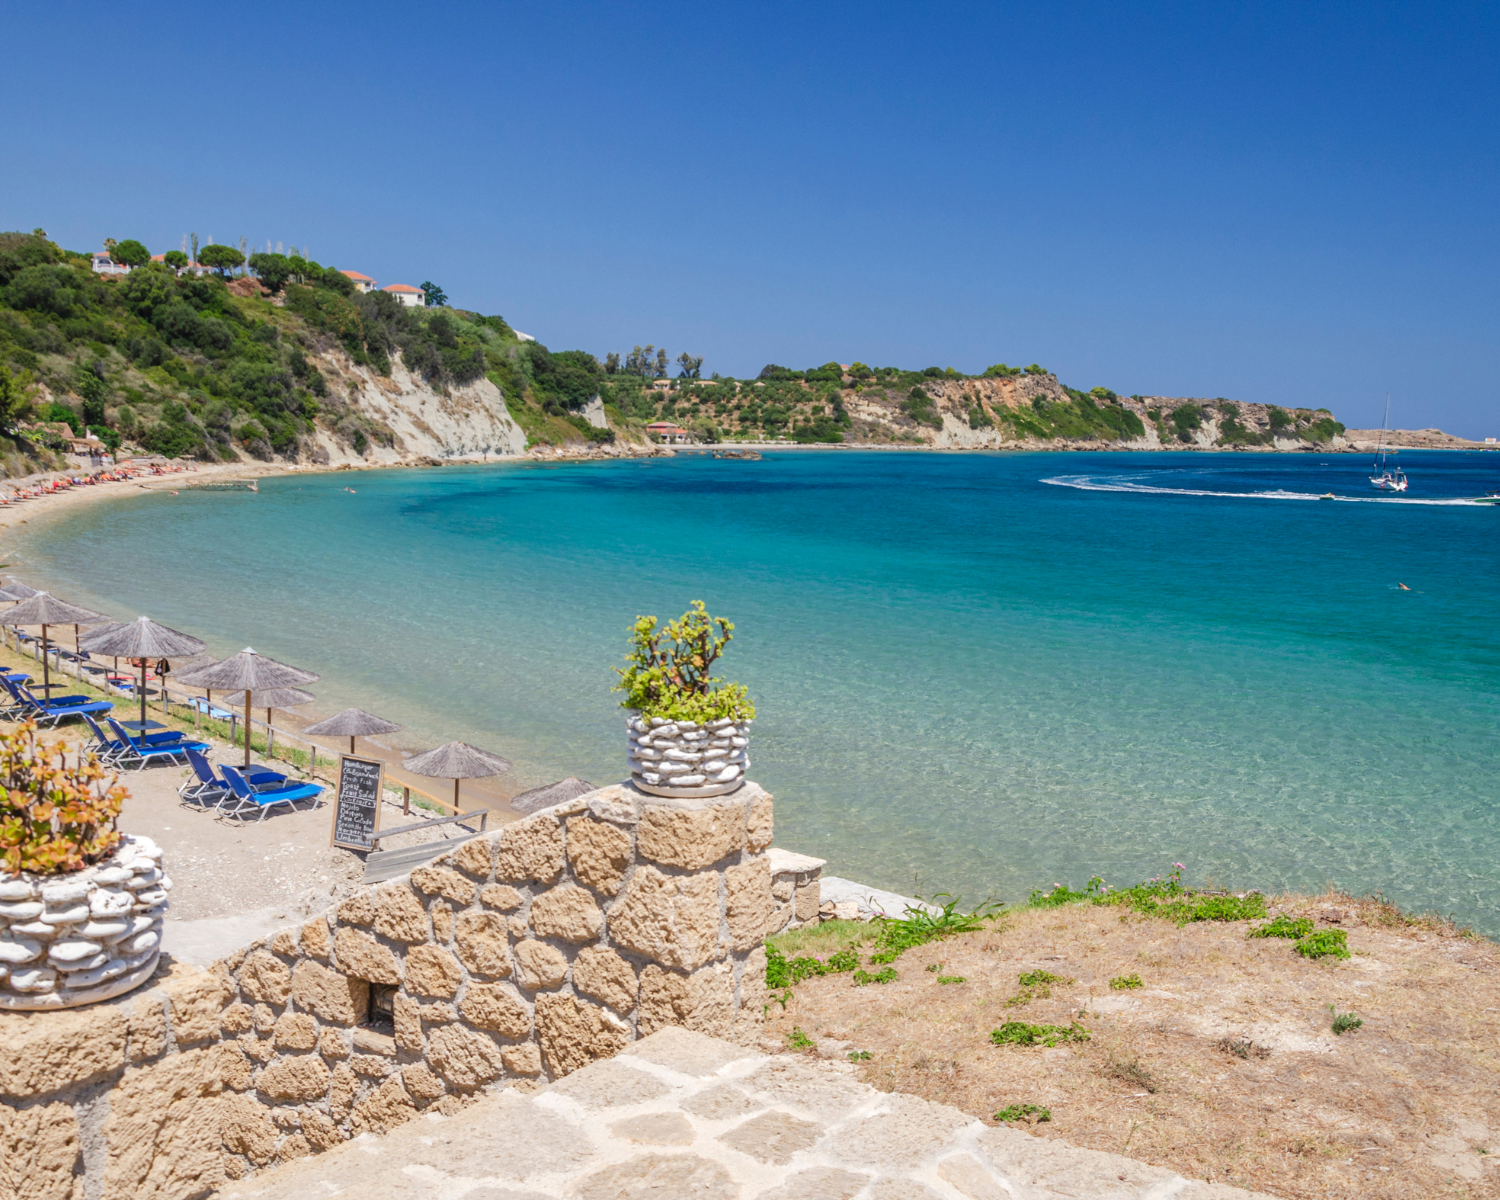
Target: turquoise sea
point(990, 672)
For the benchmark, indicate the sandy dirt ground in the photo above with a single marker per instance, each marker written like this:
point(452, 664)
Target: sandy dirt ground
point(1222, 1065)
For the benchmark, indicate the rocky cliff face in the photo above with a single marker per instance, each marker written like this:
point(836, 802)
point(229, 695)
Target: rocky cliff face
point(371, 418)
point(1037, 411)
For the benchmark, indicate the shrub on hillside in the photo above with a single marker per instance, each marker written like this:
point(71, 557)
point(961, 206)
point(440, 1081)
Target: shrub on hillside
point(55, 815)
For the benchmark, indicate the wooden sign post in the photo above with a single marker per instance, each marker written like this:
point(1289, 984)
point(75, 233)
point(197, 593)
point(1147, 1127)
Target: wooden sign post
point(356, 809)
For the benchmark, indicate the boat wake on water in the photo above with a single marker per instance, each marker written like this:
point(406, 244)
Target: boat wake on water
point(1125, 483)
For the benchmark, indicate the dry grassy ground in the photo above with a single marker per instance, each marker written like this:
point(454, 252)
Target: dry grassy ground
point(1222, 1065)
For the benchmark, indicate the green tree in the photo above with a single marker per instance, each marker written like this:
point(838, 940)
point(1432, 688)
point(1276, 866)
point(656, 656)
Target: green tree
point(273, 270)
point(434, 296)
point(661, 363)
point(222, 259)
point(89, 383)
point(175, 259)
point(692, 367)
point(131, 253)
point(1034, 369)
point(13, 402)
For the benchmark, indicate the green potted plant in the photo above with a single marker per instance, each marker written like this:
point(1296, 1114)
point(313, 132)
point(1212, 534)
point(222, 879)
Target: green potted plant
point(689, 731)
point(81, 903)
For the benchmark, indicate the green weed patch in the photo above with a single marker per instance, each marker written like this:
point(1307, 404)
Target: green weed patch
point(1020, 1112)
point(1019, 1033)
point(861, 978)
point(1326, 943)
point(1283, 927)
point(1124, 983)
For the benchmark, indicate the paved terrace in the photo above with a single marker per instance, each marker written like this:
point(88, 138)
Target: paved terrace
point(682, 1115)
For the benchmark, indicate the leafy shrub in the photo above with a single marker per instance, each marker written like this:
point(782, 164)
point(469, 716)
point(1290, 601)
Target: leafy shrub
point(1036, 985)
point(1326, 943)
point(1185, 419)
point(1019, 1033)
point(1019, 1112)
point(668, 673)
point(1344, 1022)
point(979, 419)
point(783, 972)
point(1001, 371)
point(55, 816)
point(1283, 926)
point(919, 407)
point(1280, 419)
point(896, 935)
point(1125, 983)
point(862, 978)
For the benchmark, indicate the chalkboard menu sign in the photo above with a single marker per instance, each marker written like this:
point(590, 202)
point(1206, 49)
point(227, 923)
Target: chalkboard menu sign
point(356, 812)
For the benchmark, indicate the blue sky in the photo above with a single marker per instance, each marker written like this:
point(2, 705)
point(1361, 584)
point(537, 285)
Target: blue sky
point(1284, 203)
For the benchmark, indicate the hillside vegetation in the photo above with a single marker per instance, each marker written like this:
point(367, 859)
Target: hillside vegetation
point(220, 367)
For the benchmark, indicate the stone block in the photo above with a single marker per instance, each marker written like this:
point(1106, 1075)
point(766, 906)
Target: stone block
point(295, 1031)
point(573, 1034)
point(496, 1006)
point(445, 882)
point(530, 850)
point(442, 921)
point(599, 972)
point(476, 856)
point(687, 1053)
point(334, 1044)
point(39, 1153)
point(315, 940)
point(482, 943)
point(147, 1028)
point(432, 971)
point(162, 1136)
point(372, 1066)
point(328, 994)
point(372, 1041)
point(655, 1129)
point(702, 1001)
point(747, 902)
point(263, 1017)
point(760, 820)
point(360, 955)
point(660, 1175)
point(265, 977)
point(319, 1129)
point(407, 1014)
point(246, 1128)
point(464, 1057)
point(723, 1102)
point(819, 1183)
point(45, 1051)
point(691, 834)
point(809, 898)
point(569, 913)
point(400, 915)
point(673, 919)
point(292, 1149)
point(295, 1077)
point(600, 853)
point(773, 1137)
point(525, 1059)
point(342, 1089)
point(284, 941)
point(238, 1018)
point(899, 1138)
point(542, 966)
point(198, 1003)
point(501, 896)
point(421, 1083)
point(357, 910)
point(235, 1069)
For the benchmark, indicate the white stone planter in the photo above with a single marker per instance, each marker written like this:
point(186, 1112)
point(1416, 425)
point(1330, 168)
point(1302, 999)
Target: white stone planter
point(681, 758)
point(68, 940)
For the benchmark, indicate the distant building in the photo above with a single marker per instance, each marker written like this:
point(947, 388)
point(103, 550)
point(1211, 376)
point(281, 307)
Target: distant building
point(668, 432)
point(362, 283)
point(105, 265)
point(408, 295)
point(524, 337)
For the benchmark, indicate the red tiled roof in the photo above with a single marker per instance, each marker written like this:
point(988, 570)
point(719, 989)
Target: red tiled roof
point(355, 275)
point(402, 287)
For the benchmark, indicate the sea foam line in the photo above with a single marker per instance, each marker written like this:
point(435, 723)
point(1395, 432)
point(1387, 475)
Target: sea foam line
point(1108, 483)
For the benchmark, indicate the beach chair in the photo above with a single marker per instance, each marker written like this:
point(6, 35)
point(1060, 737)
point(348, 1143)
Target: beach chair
point(209, 709)
point(63, 706)
point(141, 752)
point(109, 749)
point(204, 789)
point(247, 800)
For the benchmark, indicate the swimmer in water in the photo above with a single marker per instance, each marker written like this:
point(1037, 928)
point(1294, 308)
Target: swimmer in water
point(1403, 587)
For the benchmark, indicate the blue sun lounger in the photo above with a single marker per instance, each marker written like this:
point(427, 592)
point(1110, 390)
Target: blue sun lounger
point(54, 710)
point(248, 800)
point(140, 751)
point(109, 750)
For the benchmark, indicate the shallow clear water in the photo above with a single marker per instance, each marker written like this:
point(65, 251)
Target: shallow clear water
point(993, 672)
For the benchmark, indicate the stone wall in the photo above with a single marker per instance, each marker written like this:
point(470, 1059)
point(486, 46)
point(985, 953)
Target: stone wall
point(520, 956)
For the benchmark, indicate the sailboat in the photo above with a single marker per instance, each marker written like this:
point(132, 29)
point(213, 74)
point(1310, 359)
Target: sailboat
point(1388, 480)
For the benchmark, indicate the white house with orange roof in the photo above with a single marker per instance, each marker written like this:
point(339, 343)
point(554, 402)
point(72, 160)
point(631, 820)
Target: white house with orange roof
point(105, 265)
point(406, 294)
point(362, 283)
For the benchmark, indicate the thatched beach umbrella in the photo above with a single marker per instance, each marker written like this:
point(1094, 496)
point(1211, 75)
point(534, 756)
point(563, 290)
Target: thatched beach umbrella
point(455, 761)
point(250, 672)
point(549, 794)
point(143, 639)
point(16, 590)
point(44, 610)
point(288, 697)
point(352, 723)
